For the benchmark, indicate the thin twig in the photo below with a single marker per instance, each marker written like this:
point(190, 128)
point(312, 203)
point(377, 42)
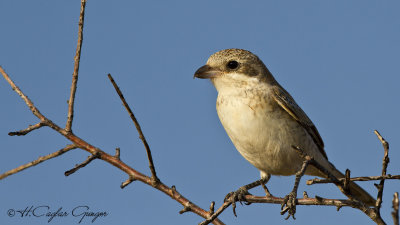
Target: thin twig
point(38, 161)
point(325, 181)
point(28, 102)
point(27, 130)
point(395, 205)
point(138, 128)
point(385, 163)
point(77, 60)
point(81, 165)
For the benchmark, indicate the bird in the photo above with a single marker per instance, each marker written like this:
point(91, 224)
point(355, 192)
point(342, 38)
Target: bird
point(264, 122)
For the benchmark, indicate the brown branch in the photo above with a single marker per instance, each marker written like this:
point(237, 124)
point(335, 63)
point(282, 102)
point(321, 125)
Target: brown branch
point(38, 161)
point(325, 181)
point(318, 201)
point(27, 130)
point(81, 165)
point(138, 128)
point(127, 182)
point(77, 60)
point(370, 212)
point(395, 205)
point(28, 102)
point(385, 163)
point(79, 143)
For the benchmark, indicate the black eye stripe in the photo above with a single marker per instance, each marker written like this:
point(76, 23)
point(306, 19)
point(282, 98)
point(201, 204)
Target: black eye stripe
point(232, 65)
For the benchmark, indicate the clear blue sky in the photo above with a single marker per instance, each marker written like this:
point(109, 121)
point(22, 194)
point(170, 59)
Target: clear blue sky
point(339, 60)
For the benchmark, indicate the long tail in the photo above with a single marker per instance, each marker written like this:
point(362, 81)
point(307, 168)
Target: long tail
point(356, 190)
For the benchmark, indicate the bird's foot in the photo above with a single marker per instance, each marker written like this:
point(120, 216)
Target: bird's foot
point(237, 196)
point(289, 205)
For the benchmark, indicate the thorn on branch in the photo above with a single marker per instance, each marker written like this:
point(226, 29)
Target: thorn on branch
point(173, 190)
point(185, 209)
point(346, 180)
point(211, 208)
point(27, 130)
point(81, 165)
point(118, 153)
point(127, 182)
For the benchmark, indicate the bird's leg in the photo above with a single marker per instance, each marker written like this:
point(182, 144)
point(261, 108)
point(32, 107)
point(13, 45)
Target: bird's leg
point(266, 179)
point(289, 202)
point(242, 191)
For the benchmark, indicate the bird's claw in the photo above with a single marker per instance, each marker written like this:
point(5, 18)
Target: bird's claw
point(289, 205)
point(237, 196)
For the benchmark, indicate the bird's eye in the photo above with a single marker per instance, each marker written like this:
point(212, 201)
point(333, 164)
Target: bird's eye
point(232, 65)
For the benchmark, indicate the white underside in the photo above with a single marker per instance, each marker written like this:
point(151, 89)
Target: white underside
point(261, 130)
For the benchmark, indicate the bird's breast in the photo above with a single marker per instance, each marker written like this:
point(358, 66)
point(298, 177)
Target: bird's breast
point(260, 130)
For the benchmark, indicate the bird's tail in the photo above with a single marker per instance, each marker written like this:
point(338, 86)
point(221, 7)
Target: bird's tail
point(356, 191)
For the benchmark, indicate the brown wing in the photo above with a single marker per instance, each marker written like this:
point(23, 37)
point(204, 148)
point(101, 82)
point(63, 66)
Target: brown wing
point(286, 101)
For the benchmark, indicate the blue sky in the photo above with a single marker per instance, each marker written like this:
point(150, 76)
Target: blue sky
point(338, 59)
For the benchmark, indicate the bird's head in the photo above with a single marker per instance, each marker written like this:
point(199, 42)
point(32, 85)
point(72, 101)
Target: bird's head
point(233, 67)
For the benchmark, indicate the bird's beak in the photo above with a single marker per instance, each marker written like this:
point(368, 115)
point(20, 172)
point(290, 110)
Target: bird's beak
point(206, 72)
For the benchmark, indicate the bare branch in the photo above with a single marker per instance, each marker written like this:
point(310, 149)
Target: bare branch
point(34, 110)
point(395, 205)
point(77, 59)
point(27, 130)
point(385, 163)
point(138, 128)
point(325, 181)
point(30, 104)
point(38, 161)
point(370, 212)
point(81, 165)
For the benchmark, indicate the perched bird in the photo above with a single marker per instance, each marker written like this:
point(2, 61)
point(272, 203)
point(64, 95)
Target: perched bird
point(263, 120)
